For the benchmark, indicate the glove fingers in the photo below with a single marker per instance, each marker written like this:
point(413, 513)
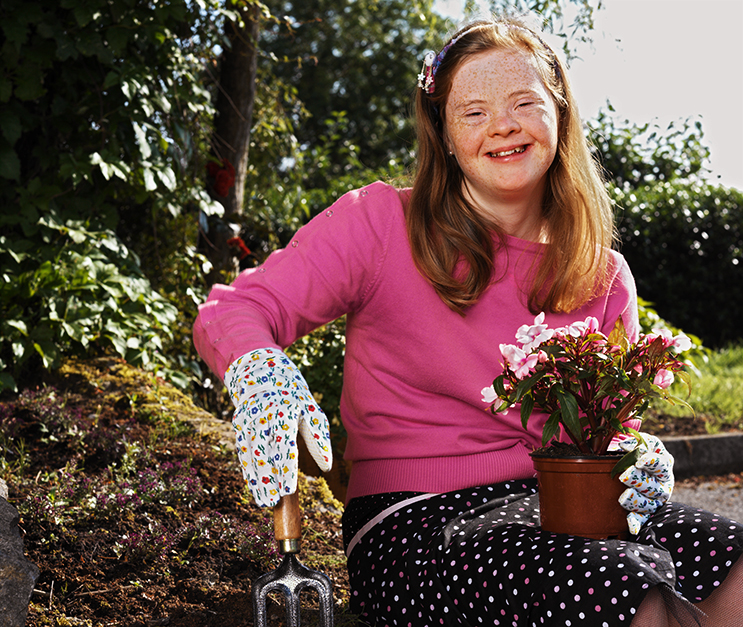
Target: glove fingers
point(633, 501)
point(267, 451)
point(654, 443)
point(627, 444)
point(283, 457)
point(635, 521)
point(314, 429)
point(650, 486)
point(659, 465)
point(273, 400)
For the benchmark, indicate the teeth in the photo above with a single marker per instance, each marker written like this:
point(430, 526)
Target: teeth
point(508, 152)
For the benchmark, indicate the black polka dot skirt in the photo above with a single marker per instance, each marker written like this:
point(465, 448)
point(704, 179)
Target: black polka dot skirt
point(478, 557)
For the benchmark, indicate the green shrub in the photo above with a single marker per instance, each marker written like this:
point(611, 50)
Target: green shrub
point(102, 120)
point(684, 244)
point(81, 290)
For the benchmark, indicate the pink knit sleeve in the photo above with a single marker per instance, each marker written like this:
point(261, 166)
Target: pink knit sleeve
point(621, 299)
point(326, 271)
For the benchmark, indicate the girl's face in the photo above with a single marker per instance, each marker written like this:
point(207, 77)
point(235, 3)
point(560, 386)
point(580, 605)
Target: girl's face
point(501, 125)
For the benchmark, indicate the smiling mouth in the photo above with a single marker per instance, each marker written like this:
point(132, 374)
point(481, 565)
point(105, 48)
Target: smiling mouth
point(507, 153)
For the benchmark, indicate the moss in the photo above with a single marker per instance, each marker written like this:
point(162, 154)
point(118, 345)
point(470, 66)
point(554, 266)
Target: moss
point(315, 495)
point(150, 397)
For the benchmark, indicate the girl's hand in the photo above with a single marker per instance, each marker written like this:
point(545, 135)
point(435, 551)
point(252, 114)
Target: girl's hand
point(273, 404)
point(650, 480)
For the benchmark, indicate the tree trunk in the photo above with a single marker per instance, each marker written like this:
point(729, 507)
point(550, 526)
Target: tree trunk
point(231, 138)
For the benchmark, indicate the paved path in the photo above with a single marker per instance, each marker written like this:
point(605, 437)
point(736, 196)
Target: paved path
point(719, 495)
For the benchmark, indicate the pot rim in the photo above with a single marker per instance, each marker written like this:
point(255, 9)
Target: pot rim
point(607, 455)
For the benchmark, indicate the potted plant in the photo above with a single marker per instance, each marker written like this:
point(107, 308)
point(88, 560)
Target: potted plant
point(593, 388)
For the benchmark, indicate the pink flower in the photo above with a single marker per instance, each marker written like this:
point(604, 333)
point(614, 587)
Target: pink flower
point(532, 336)
point(518, 360)
point(663, 333)
point(680, 342)
point(488, 395)
point(578, 328)
point(663, 379)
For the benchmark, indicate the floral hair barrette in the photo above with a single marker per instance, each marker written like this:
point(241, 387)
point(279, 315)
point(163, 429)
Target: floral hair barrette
point(431, 63)
point(425, 78)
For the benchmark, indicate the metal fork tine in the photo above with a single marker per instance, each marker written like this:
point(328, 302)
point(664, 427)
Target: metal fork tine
point(291, 577)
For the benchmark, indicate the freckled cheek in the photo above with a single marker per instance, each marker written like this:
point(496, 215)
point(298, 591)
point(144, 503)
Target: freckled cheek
point(461, 138)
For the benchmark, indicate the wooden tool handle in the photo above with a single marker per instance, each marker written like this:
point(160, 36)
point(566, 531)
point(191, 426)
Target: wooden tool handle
point(287, 523)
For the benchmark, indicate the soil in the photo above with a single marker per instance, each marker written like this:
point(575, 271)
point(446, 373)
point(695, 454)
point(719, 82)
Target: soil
point(156, 562)
point(664, 425)
point(92, 573)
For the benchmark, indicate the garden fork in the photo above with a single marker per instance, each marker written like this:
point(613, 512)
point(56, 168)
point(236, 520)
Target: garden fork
point(291, 577)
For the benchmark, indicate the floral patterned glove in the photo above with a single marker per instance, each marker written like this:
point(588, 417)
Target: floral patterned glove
point(272, 404)
point(650, 480)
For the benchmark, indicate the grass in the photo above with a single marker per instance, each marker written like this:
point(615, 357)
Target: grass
point(716, 391)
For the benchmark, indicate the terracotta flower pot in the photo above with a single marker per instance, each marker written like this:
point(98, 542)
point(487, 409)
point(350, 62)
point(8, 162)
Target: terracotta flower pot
point(578, 496)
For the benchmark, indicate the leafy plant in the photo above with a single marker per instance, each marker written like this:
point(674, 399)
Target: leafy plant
point(83, 291)
point(103, 116)
point(586, 383)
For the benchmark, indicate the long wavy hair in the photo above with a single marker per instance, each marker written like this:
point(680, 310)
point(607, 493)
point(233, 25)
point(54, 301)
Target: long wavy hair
point(444, 228)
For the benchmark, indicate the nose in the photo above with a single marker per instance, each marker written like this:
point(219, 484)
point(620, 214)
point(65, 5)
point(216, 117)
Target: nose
point(503, 124)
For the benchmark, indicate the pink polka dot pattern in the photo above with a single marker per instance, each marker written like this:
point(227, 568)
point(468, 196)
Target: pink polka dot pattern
point(479, 557)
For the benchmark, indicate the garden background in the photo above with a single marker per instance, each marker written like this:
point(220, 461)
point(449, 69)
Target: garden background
point(150, 149)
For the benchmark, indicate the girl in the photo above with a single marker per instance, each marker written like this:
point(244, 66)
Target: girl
point(507, 217)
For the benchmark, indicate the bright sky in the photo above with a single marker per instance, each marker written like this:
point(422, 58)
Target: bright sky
point(661, 61)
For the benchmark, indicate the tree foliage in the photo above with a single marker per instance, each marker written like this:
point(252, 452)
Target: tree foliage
point(102, 118)
point(358, 59)
point(680, 234)
point(634, 155)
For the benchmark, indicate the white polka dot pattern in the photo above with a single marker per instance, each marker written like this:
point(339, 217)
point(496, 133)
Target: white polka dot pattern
point(478, 557)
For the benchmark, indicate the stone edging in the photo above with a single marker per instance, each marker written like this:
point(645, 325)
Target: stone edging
point(706, 454)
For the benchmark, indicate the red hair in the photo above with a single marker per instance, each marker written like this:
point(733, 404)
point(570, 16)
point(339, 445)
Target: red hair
point(445, 229)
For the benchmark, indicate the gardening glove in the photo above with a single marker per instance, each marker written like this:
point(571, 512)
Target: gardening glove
point(650, 480)
point(273, 404)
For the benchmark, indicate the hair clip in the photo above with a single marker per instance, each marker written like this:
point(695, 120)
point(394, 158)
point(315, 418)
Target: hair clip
point(425, 78)
point(432, 62)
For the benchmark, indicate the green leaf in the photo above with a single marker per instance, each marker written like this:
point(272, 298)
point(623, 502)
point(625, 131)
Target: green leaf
point(6, 89)
point(551, 428)
point(20, 325)
point(10, 164)
point(19, 350)
point(569, 411)
point(11, 127)
point(117, 38)
point(149, 180)
point(141, 137)
point(527, 406)
point(16, 32)
point(29, 83)
point(527, 384)
point(66, 48)
point(167, 176)
point(119, 344)
point(112, 78)
point(83, 14)
point(626, 461)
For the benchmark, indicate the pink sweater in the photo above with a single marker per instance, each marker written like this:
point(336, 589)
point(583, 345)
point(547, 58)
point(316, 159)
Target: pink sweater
point(413, 373)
